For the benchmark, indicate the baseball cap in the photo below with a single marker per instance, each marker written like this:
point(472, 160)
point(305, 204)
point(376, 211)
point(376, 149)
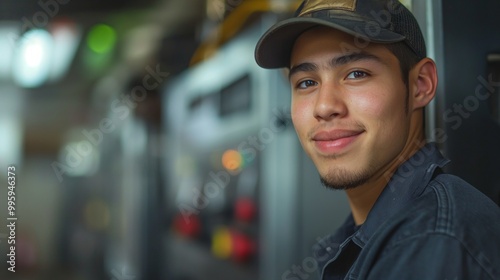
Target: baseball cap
point(377, 21)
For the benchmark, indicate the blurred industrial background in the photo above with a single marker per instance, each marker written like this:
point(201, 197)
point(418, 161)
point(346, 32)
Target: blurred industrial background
point(147, 144)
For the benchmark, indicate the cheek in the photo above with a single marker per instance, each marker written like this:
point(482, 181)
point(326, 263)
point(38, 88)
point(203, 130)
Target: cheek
point(299, 113)
point(383, 105)
point(371, 109)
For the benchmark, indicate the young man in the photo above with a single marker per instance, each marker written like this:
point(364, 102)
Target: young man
point(360, 81)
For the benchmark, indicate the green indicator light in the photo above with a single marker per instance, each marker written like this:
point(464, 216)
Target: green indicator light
point(101, 38)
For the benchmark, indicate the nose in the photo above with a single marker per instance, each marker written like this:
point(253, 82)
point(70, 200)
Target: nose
point(330, 103)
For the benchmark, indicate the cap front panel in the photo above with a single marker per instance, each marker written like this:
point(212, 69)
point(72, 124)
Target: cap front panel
point(317, 5)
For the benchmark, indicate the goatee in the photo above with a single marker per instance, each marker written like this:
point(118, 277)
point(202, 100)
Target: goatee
point(343, 180)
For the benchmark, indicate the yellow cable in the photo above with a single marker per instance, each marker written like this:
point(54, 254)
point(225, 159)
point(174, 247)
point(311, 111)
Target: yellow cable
point(230, 27)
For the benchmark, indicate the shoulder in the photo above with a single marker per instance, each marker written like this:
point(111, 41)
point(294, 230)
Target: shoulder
point(461, 205)
point(450, 215)
point(430, 256)
point(451, 206)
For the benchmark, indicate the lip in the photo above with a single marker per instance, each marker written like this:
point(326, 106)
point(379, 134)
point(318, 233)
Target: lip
point(335, 141)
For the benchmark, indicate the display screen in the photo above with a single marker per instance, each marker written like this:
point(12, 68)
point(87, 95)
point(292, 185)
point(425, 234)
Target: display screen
point(236, 97)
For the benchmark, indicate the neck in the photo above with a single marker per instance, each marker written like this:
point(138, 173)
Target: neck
point(362, 198)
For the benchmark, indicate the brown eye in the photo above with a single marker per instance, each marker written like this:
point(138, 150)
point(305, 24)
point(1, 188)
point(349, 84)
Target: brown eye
point(307, 83)
point(357, 75)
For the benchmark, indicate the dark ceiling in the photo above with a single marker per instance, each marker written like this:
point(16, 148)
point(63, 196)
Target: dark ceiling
point(17, 9)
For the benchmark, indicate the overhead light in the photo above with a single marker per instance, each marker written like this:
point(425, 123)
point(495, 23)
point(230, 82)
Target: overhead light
point(101, 38)
point(67, 37)
point(100, 41)
point(32, 60)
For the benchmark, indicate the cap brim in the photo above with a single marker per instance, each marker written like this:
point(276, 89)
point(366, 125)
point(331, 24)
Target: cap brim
point(274, 48)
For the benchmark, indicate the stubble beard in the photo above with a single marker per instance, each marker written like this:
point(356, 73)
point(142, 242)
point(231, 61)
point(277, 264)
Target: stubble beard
point(342, 179)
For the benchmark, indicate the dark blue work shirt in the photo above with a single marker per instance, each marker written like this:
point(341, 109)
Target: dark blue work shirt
point(425, 225)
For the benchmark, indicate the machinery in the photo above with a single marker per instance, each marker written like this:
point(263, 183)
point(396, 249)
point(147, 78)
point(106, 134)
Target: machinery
point(240, 191)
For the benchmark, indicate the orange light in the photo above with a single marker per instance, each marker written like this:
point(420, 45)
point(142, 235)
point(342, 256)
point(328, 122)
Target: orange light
point(232, 160)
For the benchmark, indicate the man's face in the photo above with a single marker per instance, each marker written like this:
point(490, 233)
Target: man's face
point(348, 108)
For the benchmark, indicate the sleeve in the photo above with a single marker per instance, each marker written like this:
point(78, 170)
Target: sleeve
point(433, 256)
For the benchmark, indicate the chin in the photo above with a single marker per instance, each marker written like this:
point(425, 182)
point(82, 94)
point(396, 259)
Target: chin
point(343, 179)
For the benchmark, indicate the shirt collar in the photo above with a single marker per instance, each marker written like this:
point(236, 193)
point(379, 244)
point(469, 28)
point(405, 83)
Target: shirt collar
point(408, 182)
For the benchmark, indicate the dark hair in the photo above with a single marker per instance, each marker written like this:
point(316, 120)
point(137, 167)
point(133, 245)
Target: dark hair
point(407, 60)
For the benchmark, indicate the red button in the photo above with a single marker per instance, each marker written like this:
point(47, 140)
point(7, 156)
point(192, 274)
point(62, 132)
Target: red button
point(189, 226)
point(243, 247)
point(245, 209)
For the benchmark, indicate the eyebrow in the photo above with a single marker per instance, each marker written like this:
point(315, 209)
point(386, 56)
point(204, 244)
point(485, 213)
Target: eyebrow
point(334, 62)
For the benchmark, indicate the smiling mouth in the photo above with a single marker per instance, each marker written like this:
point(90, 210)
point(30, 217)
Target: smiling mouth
point(335, 141)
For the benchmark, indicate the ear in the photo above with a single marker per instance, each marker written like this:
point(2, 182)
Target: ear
point(424, 82)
